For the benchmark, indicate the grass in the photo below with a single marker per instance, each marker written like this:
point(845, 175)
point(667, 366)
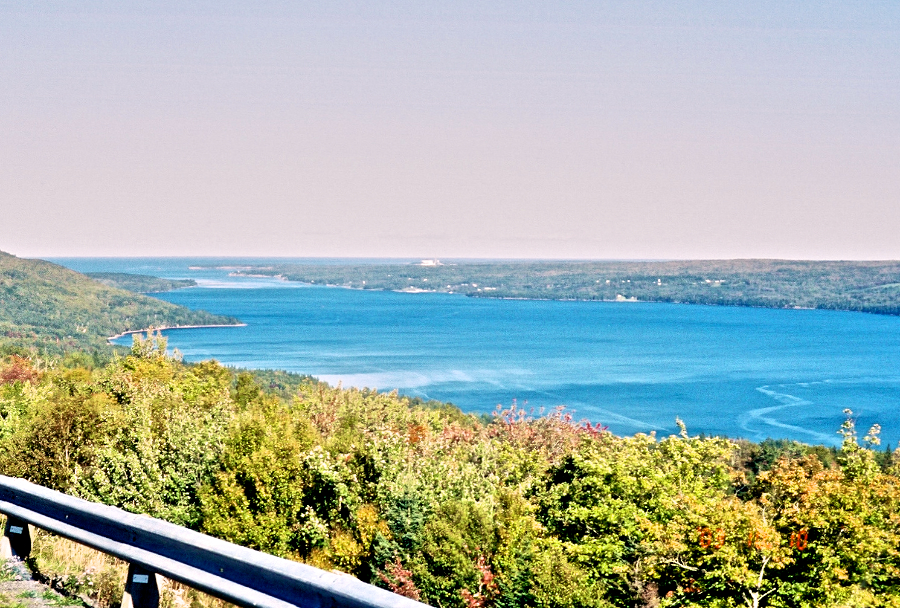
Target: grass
point(6, 573)
point(54, 599)
point(8, 602)
point(77, 570)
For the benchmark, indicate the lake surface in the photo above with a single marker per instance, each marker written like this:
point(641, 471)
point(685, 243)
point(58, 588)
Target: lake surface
point(741, 372)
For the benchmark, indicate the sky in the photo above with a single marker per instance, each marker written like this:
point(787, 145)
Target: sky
point(420, 128)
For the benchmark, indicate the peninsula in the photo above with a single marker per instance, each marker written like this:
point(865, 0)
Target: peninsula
point(52, 309)
point(834, 285)
point(140, 283)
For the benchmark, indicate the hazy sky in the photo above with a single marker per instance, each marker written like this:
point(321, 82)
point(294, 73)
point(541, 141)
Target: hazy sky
point(451, 129)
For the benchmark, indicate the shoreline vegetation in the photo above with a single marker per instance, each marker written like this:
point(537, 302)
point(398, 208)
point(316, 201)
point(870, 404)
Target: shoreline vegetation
point(872, 287)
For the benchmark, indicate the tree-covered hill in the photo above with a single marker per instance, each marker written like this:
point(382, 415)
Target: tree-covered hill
point(454, 510)
point(859, 286)
point(47, 307)
point(139, 283)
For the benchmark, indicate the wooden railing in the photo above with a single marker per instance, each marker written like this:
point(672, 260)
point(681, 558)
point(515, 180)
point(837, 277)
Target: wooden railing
point(230, 572)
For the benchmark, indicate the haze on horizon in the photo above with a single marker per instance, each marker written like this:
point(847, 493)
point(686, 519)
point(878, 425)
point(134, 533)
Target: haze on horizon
point(411, 128)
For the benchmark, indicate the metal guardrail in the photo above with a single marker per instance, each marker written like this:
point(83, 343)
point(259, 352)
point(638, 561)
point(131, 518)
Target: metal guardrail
point(151, 546)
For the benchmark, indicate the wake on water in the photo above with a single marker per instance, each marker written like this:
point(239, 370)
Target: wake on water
point(787, 402)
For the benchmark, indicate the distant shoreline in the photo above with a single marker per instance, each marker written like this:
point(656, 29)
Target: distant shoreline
point(866, 287)
point(141, 331)
point(620, 300)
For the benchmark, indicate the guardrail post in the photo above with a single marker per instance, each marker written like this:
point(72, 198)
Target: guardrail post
point(16, 540)
point(141, 588)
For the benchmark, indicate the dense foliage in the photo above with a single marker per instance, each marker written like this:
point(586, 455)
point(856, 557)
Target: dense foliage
point(46, 308)
point(859, 286)
point(455, 510)
point(139, 283)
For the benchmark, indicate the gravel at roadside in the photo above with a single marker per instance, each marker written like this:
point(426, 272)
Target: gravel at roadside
point(18, 589)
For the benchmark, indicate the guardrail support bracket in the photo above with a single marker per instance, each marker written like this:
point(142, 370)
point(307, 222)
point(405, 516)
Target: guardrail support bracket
point(16, 540)
point(141, 588)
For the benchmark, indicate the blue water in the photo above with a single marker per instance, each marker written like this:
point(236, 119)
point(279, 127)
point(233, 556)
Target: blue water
point(741, 372)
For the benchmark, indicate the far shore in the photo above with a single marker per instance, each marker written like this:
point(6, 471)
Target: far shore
point(145, 330)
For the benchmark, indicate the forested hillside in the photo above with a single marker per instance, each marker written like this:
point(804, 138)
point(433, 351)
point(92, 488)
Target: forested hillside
point(139, 283)
point(860, 286)
point(455, 510)
point(48, 308)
